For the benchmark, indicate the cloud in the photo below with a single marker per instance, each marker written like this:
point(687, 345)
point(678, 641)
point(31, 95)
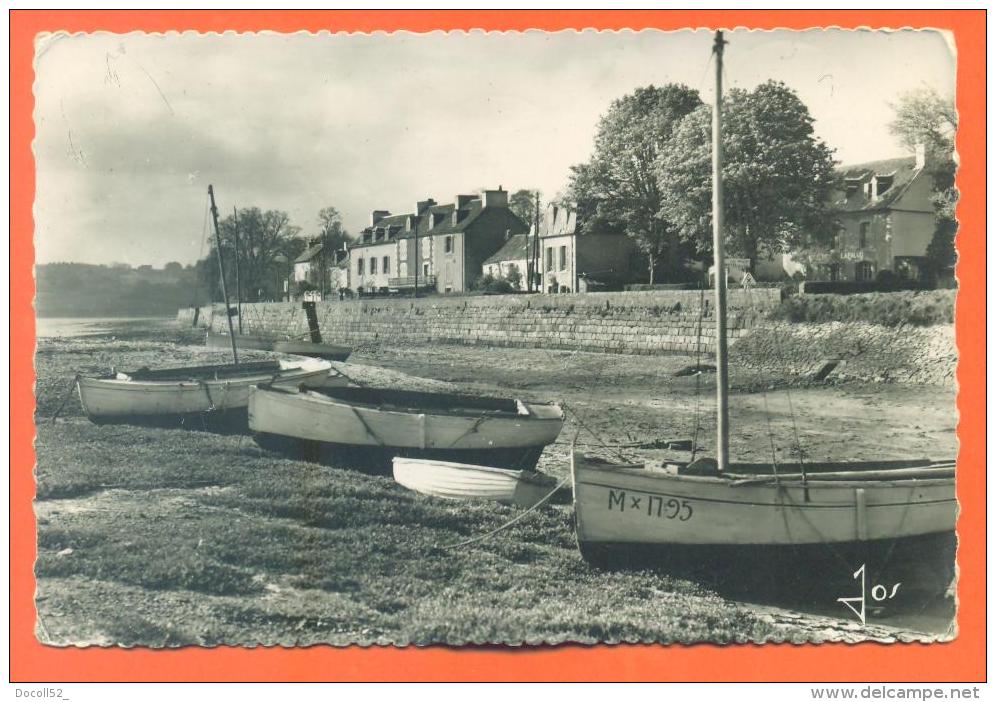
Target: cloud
point(132, 128)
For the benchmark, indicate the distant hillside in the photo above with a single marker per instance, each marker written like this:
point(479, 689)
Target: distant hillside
point(85, 290)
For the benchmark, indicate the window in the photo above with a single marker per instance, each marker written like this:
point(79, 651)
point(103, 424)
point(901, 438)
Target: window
point(549, 259)
point(448, 245)
point(563, 258)
point(838, 238)
point(863, 235)
point(359, 266)
point(425, 269)
point(373, 265)
point(864, 271)
point(386, 265)
point(403, 252)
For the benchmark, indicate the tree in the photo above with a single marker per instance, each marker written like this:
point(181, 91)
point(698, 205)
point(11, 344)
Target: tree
point(620, 180)
point(777, 176)
point(523, 205)
point(330, 228)
point(924, 117)
point(268, 243)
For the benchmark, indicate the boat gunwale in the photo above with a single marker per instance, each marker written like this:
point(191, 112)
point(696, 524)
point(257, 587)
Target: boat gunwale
point(318, 397)
point(288, 370)
point(741, 480)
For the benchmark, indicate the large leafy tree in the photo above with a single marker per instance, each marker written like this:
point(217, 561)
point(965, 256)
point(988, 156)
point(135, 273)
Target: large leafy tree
point(620, 181)
point(925, 117)
point(777, 176)
point(268, 245)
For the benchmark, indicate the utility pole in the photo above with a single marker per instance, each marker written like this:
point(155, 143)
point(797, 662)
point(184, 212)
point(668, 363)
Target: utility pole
point(221, 267)
point(417, 261)
point(719, 256)
point(238, 281)
point(537, 264)
point(321, 267)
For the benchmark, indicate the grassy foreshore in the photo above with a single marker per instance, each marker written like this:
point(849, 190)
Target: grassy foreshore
point(168, 537)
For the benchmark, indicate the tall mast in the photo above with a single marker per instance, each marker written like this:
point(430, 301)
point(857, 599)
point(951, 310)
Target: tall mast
point(238, 279)
point(719, 256)
point(221, 267)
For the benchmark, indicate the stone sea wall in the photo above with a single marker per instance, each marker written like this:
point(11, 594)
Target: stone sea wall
point(644, 322)
point(625, 322)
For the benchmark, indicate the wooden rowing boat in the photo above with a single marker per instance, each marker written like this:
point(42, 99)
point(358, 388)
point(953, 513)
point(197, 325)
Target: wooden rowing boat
point(195, 395)
point(329, 352)
point(368, 427)
point(461, 481)
point(217, 340)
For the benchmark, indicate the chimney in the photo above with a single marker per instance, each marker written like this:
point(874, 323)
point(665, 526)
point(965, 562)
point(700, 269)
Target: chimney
point(494, 198)
point(921, 155)
point(463, 200)
point(422, 205)
point(378, 215)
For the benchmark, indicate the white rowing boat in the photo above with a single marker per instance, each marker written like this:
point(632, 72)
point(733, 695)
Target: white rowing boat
point(172, 396)
point(370, 426)
point(461, 481)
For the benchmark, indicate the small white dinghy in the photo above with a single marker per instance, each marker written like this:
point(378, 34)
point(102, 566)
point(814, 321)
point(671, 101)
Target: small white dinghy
point(214, 394)
point(462, 481)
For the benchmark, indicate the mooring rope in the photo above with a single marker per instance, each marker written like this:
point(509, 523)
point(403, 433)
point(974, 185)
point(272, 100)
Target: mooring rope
point(65, 399)
point(511, 522)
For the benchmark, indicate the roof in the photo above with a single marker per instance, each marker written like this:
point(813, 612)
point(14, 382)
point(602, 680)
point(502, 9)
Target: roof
point(515, 249)
point(309, 253)
point(471, 212)
point(901, 171)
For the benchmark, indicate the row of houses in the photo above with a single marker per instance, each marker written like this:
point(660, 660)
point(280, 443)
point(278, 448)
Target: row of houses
point(447, 247)
point(884, 212)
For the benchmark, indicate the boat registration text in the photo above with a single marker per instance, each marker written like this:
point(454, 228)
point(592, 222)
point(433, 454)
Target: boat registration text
point(650, 505)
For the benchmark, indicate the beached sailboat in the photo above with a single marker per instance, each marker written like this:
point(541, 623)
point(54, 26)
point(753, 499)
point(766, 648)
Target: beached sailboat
point(208, 396)
point(368, 427)
point(460, 481)
point(712, 517)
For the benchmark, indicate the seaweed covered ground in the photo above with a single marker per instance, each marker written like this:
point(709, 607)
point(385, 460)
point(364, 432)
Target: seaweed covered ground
point(157, 537)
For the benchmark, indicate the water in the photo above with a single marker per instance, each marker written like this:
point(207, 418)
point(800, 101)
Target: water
point(48, 327)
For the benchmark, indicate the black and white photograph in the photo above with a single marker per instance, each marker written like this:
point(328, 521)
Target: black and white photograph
point(480, 337)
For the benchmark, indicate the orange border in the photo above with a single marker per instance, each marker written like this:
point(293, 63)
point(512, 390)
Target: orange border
point(961, 660)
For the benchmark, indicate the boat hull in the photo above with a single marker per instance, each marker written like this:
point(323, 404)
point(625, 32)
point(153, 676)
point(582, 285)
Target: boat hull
point(314, 427)
point(765, 536)
point(640, 506)
point(242, 341)
point(461, 481)
point(189, 403)
point(329, 352)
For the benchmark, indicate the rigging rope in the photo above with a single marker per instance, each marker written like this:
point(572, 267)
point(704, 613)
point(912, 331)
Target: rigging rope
point(506, 525)
point(197, 285)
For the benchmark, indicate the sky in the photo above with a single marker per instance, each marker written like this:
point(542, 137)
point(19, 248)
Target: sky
point(131, 129)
